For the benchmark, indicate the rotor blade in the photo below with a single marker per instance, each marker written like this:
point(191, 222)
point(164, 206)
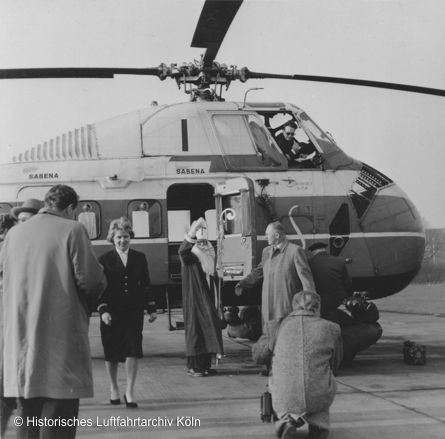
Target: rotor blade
point(214, 21)
point(74, 72)
point(348, 81)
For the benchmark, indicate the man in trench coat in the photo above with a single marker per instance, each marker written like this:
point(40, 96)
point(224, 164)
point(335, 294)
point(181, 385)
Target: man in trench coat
point(284, 271)
point(50, 273)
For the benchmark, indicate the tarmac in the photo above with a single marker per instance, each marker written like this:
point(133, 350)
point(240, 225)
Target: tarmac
point(378, 394)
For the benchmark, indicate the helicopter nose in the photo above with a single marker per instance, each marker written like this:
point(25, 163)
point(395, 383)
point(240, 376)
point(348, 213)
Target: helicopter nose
point(397, 240)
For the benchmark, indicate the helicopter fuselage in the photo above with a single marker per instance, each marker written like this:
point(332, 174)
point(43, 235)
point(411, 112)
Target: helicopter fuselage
point(165, 166)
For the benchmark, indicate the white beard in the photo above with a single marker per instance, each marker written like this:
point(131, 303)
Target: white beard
point(206, 257)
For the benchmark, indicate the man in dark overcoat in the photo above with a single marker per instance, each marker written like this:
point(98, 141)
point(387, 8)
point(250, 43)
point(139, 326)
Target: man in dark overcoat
point(334, 284)
point(203, 337)
point(332, 280)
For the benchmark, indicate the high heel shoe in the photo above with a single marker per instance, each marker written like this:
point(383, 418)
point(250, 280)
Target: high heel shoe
point(116, 401)
point(130, 405)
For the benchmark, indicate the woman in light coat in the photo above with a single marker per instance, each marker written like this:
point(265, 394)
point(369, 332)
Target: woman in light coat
point(307, 352)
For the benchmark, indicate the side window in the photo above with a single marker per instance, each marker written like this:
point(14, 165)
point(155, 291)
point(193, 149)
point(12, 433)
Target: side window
point(163, 137)
point(231, 208)
point(236, 215)
point(145, 216)
point(301, 136)
point(263, 141)
point(276, 122)
point(5, 208)
point(210, 217)
point(232, 134)
point(88, 213)
point(245, 141)
point(324, 141)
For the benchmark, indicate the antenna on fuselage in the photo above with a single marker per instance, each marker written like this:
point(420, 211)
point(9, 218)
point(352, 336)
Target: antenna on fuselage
point(250, 89)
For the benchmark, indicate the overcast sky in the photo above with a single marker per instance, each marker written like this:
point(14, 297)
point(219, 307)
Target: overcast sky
point(399, 133)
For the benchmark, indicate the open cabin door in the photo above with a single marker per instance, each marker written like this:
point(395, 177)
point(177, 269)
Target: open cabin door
point(236, 228)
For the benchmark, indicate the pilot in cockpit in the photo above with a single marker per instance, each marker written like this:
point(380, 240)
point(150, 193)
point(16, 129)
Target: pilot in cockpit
point(298, 154)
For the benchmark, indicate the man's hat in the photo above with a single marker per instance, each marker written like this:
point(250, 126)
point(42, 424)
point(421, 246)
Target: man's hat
point(317, 246)
point(31, 205)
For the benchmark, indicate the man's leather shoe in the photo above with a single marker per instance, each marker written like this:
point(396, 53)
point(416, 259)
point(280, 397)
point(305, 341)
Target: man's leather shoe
point(317, 432)
point(289, 431)
point(196, 373)
point(287, 427)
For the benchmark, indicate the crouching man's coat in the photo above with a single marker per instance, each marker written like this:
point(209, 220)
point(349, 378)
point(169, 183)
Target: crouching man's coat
point(307, 353)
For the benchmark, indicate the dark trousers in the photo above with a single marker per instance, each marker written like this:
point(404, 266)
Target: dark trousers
point(7, 406)
point(203, 361)
point(49, 410)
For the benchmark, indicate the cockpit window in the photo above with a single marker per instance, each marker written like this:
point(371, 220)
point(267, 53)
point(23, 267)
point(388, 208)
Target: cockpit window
point(291, 140)
point(5, 208)
point(318, 148)
point(263, 141)
point(245, 135)
point(325, 141)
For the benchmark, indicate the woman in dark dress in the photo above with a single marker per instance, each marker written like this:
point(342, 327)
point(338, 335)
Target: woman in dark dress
point(121, 307)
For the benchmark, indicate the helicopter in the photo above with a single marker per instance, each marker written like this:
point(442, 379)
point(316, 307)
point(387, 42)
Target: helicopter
point(167, 165)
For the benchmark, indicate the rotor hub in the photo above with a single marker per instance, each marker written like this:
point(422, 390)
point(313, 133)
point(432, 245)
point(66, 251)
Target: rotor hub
point(202, 81)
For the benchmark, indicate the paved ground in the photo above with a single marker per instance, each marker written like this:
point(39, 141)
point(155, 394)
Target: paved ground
point(378, 395)
point(423, 299)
